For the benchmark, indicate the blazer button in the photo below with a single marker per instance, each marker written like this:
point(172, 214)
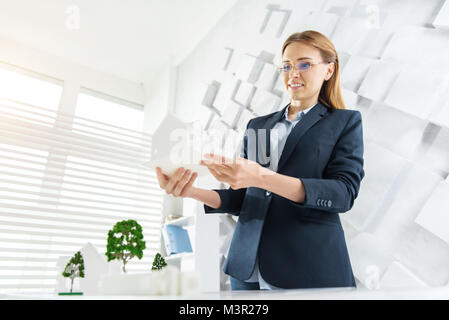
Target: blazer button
point(329, 203)
point(267, 193)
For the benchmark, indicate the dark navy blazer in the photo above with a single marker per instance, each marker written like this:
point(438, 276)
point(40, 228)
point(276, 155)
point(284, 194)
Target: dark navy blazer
point(300, 245)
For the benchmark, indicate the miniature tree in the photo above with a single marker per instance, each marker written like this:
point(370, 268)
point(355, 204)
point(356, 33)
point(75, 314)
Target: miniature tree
point(74, 268)
point(125, 241)
point(158, 262)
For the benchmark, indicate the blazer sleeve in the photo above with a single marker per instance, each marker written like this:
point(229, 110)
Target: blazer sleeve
point(231, 200)
point(339, 188)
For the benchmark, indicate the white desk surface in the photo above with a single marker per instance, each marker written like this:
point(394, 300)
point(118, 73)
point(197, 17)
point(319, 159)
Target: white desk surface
point(441, 293)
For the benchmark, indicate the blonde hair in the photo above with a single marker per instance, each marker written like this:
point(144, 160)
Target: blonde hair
point(330, 93)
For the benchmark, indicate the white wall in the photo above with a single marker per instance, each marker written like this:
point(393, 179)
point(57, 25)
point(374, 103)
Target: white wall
point(160, 95)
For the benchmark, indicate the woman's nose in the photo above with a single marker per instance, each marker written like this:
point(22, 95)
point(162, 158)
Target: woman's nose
point(294, 76)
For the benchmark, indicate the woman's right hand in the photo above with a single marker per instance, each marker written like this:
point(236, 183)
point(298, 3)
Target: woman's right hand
point(179, 184)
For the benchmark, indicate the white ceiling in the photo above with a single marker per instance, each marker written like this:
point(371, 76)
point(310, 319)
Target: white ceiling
point(131, 39)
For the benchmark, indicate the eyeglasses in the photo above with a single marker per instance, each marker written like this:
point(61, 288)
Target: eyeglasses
point(300, 66)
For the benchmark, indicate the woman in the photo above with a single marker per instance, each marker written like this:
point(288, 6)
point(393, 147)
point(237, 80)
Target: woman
point(289, 234)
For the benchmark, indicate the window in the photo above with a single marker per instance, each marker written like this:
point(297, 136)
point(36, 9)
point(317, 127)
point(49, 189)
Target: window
point(110, 110)
point(18, 85)
point(66, 180)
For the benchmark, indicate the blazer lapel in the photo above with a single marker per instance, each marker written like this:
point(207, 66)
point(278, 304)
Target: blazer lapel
point(309, 119)
point(271, 122)
point(263, 145)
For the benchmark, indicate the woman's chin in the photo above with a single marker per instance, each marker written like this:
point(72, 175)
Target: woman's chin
point(295, 95)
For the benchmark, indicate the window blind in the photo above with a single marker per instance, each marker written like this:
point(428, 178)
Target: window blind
point(65, 181)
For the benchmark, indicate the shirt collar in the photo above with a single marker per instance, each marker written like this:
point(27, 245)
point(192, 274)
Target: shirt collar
point(299, 113)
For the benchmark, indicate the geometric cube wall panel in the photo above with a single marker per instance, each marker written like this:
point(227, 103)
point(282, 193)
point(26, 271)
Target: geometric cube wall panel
point(285, 99)
point(343, 59)
point(226, 92)
point(321, 22)
point(418, 46)
point(340, 7)
point(374, 43)
point(393, 129)
point(232, 145)
point(436, 152)
point(218, 125)
point(279, 86)
point(354, 72)
point(231, 113)
point(379, 80)
point(424, 254)
point(398, 276)
point(204, 116)
point(405, 202)
point(408, 12)
point(362, 105)
point(268, 77)
point(370, 257)
point(234, 62)
point(244, 118)
point(349, 33)
point(442, 19)
point(350, 98)
point(245, 70)
point(434, 216)
point(382, 167)
point(211, 92)
point(276, 23)
point(410, 91)
point(245, 93)
point(404, 45)
point(440, 115)
point(264, 102)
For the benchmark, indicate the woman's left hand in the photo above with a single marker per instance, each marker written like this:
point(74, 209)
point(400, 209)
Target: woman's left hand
point(238, 173)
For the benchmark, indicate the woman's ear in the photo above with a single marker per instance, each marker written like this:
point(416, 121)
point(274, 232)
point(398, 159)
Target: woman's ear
point(330, 71)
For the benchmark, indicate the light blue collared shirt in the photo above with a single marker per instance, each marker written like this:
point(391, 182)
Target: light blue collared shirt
point(284, 127)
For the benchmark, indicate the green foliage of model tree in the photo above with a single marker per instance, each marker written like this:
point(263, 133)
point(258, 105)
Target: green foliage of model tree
point(125, 241)
point(74, 268)
point(158, 262)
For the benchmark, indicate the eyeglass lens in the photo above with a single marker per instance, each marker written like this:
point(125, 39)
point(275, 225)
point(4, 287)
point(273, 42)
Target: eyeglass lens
point(301, 66)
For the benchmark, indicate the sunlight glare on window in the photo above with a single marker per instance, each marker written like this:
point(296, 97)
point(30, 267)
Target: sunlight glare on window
point(94, 108)
point(27, 89)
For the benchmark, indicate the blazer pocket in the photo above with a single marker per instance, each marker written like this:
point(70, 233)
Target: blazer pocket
point(318, 221)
